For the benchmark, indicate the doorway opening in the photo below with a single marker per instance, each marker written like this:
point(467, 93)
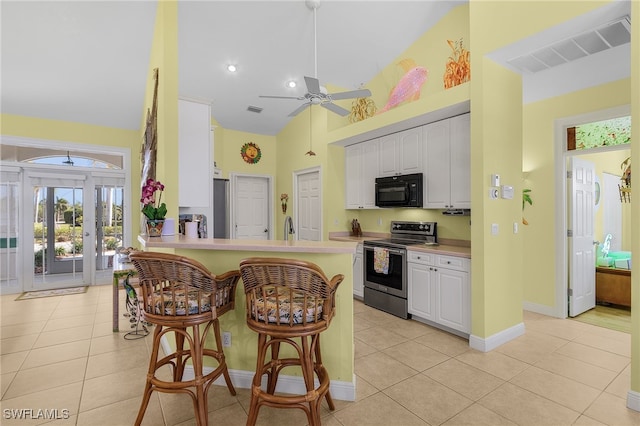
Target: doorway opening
point(610, 217)
point(67, 212)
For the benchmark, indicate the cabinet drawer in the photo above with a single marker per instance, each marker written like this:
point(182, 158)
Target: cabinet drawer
point(421, 257)
point(452, 262)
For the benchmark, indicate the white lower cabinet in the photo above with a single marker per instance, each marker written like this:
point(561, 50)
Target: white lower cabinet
point(358, 273)
point(439, 289)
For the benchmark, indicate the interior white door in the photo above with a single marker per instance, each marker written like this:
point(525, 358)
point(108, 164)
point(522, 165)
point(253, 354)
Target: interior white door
point(309, 204)
point(251, 207)
point(582, 262)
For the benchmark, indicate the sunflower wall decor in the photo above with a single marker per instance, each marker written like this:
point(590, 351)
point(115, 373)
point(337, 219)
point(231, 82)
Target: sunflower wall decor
point(250, 153)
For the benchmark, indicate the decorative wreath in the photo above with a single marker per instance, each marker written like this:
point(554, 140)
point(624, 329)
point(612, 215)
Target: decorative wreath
point(250, 153)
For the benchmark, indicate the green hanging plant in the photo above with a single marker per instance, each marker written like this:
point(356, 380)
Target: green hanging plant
point(526, 198)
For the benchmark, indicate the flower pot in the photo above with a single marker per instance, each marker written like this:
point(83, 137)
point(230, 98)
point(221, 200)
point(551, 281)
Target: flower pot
point(154, 227)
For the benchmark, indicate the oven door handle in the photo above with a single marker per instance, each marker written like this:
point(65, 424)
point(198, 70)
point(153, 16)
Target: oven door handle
point(393, 251)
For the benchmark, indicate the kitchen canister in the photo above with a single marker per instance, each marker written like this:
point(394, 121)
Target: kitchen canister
point(191, 229)
point(169, 227)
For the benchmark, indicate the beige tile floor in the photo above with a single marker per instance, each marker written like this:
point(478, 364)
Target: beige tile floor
point(60, 352)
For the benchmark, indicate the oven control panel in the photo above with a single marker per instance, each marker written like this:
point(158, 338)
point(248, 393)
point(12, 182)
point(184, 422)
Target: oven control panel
point(417, 228)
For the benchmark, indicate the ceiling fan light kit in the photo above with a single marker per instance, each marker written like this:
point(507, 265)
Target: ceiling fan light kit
point(317, 94)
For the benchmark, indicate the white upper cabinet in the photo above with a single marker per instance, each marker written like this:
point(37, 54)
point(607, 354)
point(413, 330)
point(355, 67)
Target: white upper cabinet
point(195, 157)
point(401, 153)
point(361, 170)
point(447, 163)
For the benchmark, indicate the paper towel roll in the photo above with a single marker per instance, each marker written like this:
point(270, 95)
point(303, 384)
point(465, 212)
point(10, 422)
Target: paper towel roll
point(169, 227)
point(191, 229)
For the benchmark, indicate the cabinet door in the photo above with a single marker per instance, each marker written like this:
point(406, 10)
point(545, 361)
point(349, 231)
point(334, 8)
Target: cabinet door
point(195, 158)
point(369, 173)
point(358, 275)
point(410, 145)
point(353, 173)
point(389, 160)
point(460, 141)
point(420, 291)
point(436, 164)
point(452, 299)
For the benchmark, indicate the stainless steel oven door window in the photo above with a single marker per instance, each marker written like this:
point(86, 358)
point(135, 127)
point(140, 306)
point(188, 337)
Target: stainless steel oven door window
point(394, 282)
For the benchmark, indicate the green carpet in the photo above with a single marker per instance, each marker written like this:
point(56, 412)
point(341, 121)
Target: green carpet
point(613, 317)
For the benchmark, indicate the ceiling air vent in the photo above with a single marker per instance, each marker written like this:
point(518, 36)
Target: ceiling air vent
point(255, 109)
point(602, 38)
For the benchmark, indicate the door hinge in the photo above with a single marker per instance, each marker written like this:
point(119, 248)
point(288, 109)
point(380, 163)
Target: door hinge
point(569, 174)
point(570, 292)
point(569, 233)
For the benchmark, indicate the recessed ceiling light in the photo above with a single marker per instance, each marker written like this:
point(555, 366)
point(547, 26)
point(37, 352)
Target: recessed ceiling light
point(291, 84)
point(232, 68)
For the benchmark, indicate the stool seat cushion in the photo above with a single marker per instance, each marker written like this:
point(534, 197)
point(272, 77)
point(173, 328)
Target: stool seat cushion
point(182, 302)
point(280, 307)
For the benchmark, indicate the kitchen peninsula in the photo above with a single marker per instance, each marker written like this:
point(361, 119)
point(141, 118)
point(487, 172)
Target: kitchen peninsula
point(221, 255)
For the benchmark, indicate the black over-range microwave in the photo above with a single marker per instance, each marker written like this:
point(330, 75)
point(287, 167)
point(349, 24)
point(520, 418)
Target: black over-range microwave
point(399, 191)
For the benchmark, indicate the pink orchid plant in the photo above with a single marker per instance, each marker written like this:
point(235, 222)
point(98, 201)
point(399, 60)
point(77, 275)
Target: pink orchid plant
point(151, 209)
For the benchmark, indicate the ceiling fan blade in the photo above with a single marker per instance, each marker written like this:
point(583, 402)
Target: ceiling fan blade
point(280, 97)
point(335, 108)
point(361, 93)
point(299, 109)
point(313, 84)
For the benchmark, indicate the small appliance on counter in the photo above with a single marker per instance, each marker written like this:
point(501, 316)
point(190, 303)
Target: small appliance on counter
point(200, 218)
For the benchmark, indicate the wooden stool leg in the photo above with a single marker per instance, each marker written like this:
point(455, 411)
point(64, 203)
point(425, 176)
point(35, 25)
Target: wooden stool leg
point(178, 372)
point(151, 372)
point(219, 348)
point(257, 380)
point(318, 366)
point(196, 359)
point(274, 371)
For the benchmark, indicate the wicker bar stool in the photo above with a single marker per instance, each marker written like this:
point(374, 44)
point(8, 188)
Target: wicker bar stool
point(288, 299)
point(179, 295)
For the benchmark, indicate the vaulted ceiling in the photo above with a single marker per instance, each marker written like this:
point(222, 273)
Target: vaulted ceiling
point(87, 62)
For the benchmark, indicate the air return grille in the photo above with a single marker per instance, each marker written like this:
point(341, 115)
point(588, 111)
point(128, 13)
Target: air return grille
point(254, 109)
point(605, 37)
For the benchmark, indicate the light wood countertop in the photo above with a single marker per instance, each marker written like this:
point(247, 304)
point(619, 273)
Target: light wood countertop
point(182, 242)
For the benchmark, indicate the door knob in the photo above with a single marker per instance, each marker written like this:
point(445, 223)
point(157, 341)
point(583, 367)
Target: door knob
point(86, 234)
point(266, 230)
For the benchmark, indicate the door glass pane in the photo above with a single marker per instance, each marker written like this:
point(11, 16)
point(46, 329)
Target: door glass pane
point(58, 236)
point(9, 215)
point(109, 224)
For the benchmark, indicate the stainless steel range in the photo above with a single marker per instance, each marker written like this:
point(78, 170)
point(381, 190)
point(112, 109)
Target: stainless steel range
point(385, 265)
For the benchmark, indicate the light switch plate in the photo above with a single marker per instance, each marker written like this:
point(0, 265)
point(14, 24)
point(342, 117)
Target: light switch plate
point(507, 192)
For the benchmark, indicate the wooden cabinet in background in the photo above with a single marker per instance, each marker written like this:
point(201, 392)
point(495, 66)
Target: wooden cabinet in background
point(195, 155)
point(401, 153)
point(447, 163)
point(361, 171)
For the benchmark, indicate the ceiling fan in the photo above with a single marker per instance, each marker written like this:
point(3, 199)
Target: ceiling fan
point(316, 94)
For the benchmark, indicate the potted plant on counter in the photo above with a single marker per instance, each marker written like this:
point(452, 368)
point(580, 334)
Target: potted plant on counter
point(153, 209)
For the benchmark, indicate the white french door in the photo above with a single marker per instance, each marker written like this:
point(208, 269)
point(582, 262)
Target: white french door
point(63, 247)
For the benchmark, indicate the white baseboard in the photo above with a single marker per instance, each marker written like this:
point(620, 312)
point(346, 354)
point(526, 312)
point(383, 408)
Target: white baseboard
point(340, 390)
point(498, 339)
point(633, 400)
point(539, 309)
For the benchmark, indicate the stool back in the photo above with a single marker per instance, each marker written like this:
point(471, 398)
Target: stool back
point(176, 287)
point(288, 292)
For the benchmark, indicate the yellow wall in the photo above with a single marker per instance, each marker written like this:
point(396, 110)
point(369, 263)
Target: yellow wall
point(164, 54)
point(228, 153)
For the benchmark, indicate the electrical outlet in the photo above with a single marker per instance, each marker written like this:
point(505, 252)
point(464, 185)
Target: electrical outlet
point(226, 339)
